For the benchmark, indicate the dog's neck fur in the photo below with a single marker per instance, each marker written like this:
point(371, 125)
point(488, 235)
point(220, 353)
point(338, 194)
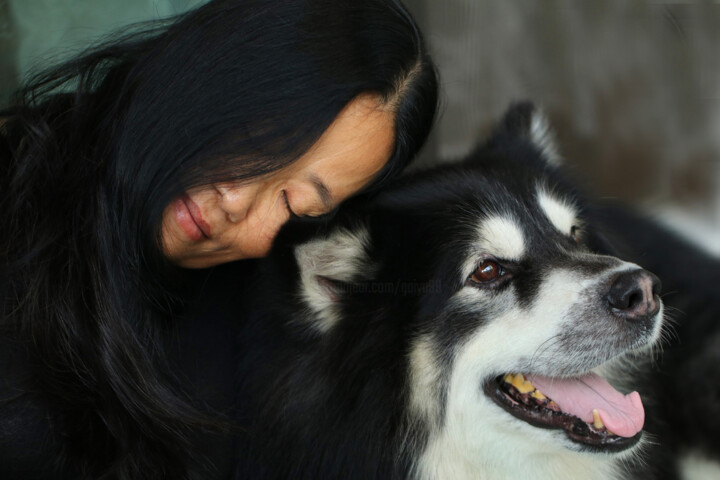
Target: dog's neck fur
point(501, 461)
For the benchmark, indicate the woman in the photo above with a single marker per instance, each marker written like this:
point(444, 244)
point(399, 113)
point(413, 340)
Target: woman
point(185, 144)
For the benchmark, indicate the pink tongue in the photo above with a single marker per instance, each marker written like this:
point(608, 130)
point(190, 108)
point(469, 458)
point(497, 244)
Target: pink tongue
point(622, 414)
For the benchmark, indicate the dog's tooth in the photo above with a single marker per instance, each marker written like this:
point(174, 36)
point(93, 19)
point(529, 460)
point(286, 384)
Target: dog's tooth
point(597, 421)
point(523, 386)
point(553, 406)
point(539, 395)
point(508, 378)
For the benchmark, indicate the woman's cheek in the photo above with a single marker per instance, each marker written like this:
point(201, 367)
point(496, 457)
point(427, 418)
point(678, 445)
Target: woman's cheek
point(264, 228)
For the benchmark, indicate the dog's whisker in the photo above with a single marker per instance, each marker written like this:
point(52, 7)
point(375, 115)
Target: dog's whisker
point(543, 347)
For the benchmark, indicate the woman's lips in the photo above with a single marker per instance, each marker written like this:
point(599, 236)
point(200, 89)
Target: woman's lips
point(189, 217)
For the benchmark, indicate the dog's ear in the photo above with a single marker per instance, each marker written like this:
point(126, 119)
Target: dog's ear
point(329, 266)
point(526, 121)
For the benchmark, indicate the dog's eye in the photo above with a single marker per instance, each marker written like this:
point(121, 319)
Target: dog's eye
point(575, 233)
point(488, 271)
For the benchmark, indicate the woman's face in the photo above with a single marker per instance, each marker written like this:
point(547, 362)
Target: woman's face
point(223, 222)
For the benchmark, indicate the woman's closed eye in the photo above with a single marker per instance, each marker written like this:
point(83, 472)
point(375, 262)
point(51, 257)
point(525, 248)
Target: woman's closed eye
point(287, 205)
point(314, 212)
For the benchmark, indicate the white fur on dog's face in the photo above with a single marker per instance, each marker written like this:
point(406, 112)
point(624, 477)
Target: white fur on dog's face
point(561, 213)
point(563, 331)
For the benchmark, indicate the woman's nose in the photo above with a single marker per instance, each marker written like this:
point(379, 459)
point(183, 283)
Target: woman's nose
point(234, 200)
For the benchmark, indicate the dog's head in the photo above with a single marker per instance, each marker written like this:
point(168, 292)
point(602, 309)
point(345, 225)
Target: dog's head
point(487, 280)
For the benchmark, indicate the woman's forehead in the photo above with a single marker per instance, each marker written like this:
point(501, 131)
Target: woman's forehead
point(352, 150)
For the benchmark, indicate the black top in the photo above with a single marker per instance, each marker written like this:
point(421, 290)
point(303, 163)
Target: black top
point(203, 352)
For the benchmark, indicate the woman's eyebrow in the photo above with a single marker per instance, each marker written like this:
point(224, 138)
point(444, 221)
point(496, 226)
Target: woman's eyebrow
point(323, 191)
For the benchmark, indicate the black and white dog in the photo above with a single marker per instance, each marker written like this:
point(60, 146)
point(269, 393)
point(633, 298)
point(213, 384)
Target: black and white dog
point(469, 322)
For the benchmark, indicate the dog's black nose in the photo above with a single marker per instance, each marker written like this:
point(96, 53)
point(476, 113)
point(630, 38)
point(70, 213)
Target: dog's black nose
point(634, 294)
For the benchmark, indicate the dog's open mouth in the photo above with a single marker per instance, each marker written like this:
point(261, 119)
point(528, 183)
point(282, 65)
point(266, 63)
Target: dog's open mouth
point(587, 408)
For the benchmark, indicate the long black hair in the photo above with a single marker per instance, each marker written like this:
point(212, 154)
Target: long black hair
point(94, 150)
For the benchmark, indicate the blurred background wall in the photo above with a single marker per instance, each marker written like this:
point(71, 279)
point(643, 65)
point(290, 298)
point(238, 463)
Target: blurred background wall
point(632, 87)
point(36, 33)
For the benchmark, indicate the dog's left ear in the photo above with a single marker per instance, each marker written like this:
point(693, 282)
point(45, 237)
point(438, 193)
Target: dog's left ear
point(526, 121)
point(329, 266)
